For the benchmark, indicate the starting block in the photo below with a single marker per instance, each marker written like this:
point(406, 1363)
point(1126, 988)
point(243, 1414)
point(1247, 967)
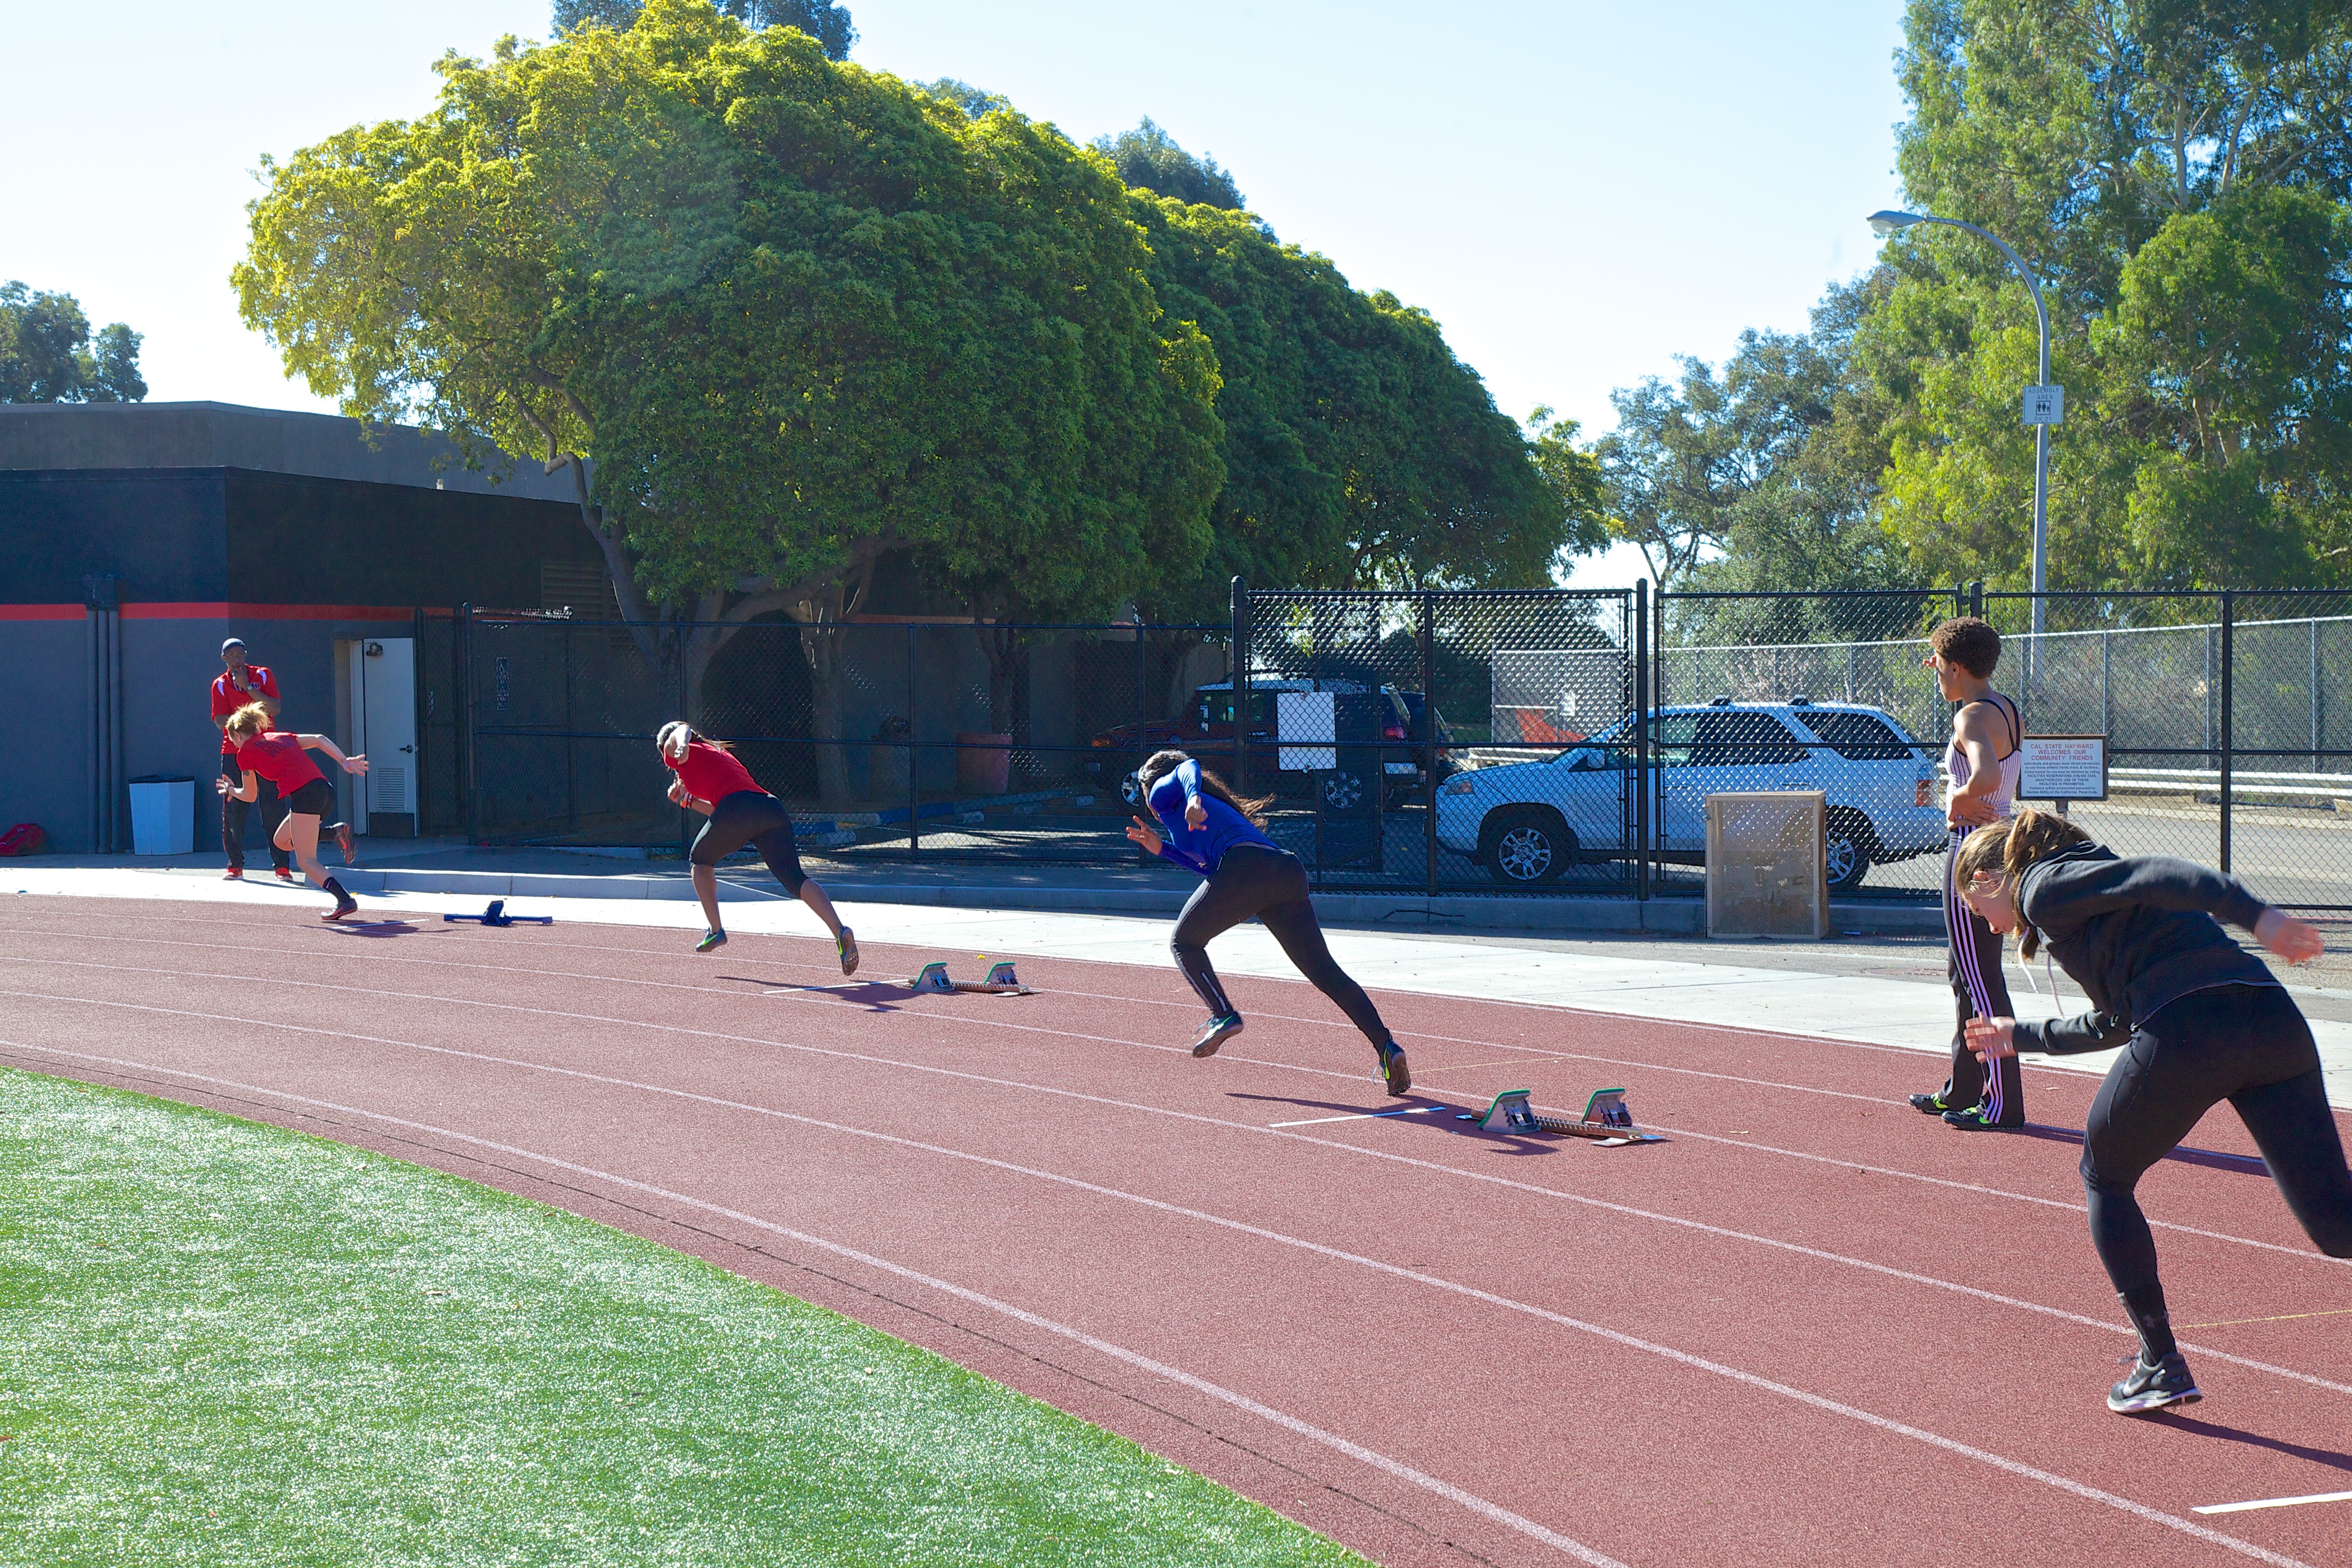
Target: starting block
point(496, 915)
point(1606, 1118)
point(1000, 981)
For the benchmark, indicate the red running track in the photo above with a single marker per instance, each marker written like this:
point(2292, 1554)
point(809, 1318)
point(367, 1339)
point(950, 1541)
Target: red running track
point(1812, 1326)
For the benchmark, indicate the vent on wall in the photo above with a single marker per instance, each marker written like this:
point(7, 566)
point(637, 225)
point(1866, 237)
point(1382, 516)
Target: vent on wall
point(579, 587)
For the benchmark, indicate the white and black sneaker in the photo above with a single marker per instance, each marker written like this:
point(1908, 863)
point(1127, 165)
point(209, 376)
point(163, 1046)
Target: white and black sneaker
point(1215, 1033)
point(2158, 1387)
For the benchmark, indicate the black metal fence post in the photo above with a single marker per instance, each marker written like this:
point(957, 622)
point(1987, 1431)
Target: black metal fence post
point(1240, 614)
point(464, 717)
point(1429, 735)
point(1642, 709)
point(2226, 725)
point(914, 757)
point(1976, 598)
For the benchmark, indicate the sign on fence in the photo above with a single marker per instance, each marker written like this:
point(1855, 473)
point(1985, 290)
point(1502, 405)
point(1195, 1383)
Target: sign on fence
point(2063, 767)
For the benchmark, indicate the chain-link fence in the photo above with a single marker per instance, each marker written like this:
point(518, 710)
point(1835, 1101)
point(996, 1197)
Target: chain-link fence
point(900, 738)
point(1428, 742)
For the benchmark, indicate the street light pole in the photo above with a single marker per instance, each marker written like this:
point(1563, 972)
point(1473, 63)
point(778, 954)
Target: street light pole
point(1887, 222)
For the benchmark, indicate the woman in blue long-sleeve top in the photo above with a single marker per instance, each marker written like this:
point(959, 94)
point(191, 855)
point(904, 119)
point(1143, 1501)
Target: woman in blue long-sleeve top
point(2200, 1021)
point(1204, 828)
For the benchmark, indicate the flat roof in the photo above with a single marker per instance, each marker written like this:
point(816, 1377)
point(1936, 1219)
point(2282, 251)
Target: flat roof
point(99, 437)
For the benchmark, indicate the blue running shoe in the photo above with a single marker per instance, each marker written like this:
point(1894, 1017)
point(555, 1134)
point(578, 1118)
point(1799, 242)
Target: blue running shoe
point(711, 942)
point(1215, 1033)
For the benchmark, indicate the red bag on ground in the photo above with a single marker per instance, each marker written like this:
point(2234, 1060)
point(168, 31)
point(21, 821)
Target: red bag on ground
point(24, 839)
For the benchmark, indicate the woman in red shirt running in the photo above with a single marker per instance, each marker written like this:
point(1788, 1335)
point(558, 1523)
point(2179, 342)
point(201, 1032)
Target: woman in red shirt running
point(710, 781)
point(275, 755)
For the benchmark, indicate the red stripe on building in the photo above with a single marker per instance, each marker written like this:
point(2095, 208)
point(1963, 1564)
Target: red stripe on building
point(216, 612)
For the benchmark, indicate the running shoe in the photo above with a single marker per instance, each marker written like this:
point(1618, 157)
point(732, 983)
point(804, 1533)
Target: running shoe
point(234, 874)
point(711, 941)
point(1931, 1104)
point(345, 907)
point(1394, 1072)
point(845, 944)
point(343, 842)
point(1975, 1118)
point(285, 873)
point(2158, 1387)
point(1223, 1027)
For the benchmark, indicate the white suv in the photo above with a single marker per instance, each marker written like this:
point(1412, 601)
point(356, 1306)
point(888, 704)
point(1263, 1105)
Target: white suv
point(1527, 821)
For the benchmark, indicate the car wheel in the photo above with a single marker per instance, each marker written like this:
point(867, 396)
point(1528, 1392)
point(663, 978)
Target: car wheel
point(1525, 848)
point(1846, 853)
point(1342, 790)
point(1130, 790)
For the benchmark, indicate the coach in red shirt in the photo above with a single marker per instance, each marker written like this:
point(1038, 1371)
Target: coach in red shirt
point(239, 684)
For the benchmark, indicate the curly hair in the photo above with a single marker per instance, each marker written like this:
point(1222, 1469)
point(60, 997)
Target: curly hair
point(2004, 849)
point(1971, 642)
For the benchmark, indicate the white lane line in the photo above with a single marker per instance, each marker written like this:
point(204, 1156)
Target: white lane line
point(1700, 1226)
point(1682, 1358)
point(1471, 1501)
point(1362, 1116)
point(1978, 1188)
point(2272, 1502)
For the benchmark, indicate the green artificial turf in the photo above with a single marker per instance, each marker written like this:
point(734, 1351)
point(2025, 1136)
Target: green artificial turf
point(222, 1343)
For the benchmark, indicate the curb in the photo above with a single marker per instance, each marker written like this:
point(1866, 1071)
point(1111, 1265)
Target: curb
point(1681, 917)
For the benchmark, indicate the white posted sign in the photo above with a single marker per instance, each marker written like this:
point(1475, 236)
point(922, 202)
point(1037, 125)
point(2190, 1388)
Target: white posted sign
point(2045, 405)
point(2063, 767)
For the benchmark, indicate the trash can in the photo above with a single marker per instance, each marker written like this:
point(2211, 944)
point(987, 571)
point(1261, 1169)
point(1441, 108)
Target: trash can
point(162, 815)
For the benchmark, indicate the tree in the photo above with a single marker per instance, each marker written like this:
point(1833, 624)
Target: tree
point(2176, 171)
point(47, 353)
point(1148, 159)
point(974, 101)
point(827, 22)
point(1357, 452)
point(779, 316)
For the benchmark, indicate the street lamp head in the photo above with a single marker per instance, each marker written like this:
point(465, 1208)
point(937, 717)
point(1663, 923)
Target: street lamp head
point(1882, 224)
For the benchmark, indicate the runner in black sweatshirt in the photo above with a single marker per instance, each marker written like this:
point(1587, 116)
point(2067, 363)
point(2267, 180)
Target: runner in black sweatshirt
point(2200, 1021)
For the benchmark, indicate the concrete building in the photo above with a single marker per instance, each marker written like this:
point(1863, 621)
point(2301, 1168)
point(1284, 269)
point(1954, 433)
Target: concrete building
point(135, 537)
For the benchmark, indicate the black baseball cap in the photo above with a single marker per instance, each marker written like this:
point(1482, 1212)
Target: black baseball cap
point(233, 642)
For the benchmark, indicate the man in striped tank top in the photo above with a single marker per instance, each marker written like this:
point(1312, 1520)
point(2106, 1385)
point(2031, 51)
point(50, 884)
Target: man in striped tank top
point(1983, 759)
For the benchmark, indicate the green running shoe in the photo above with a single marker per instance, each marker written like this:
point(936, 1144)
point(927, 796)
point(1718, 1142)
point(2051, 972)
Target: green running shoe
point(846, 945)
point(1215, 1033)
point(711, 942)
point(1394, 1072)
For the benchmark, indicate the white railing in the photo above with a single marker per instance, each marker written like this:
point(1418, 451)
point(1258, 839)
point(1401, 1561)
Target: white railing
point(2333, 787)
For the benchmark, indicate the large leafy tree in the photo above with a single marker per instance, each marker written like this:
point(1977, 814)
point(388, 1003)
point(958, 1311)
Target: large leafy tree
point(824, 20)
point(778, 315)
point(1358, 451)
point(2176, 171)
point(1148, 159)
point(47, 353)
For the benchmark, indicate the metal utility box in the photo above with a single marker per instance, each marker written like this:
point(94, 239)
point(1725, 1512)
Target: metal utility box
point(1766, 864)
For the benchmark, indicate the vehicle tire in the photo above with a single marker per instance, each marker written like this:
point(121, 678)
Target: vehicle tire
point(1847, 851)
point(1130, 790)
point(1343, 790)
point(1525, 846)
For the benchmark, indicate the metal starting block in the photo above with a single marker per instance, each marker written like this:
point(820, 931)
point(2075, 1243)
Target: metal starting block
point(1000, 981)
point(496, 915)
point(1606, 1118)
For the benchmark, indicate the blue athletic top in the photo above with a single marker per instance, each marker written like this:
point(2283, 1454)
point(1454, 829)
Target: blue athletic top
point(1204, 850)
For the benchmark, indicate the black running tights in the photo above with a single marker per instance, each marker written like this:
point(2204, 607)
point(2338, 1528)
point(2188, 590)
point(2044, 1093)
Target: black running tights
point(1270, 884)
point(2248, 1045)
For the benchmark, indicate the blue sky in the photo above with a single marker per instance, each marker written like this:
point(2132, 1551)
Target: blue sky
point(1576, 191)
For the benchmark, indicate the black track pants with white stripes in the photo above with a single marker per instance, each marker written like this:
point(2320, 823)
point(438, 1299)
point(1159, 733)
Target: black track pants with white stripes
point(1979, 990)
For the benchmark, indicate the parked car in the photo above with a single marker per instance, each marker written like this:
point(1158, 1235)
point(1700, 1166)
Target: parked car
point(1207, 727)
point(1527, 821)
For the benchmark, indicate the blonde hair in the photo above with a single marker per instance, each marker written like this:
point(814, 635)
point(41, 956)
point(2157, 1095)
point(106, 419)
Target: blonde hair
point(2004, 849)
point(253, 719)
point(677, 734)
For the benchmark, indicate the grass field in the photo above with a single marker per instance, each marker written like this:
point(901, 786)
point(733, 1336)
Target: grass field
point(226, 1343)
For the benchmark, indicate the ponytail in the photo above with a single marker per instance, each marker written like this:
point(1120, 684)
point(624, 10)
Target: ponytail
point(1159, 764)
point(2004, 849)
point(677, 734)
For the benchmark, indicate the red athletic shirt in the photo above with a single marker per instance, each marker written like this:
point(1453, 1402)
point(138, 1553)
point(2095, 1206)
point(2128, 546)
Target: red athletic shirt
point(227, 699)
point(711, 771)
point(280, 758)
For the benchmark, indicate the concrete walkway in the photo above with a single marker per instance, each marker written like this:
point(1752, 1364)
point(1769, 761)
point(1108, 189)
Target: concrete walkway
point(1845, 993)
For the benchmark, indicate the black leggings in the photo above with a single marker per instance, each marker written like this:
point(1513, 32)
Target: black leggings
point(1270, 884)
point(1979, 990)
point(756, 818)
point(2245, 1044)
